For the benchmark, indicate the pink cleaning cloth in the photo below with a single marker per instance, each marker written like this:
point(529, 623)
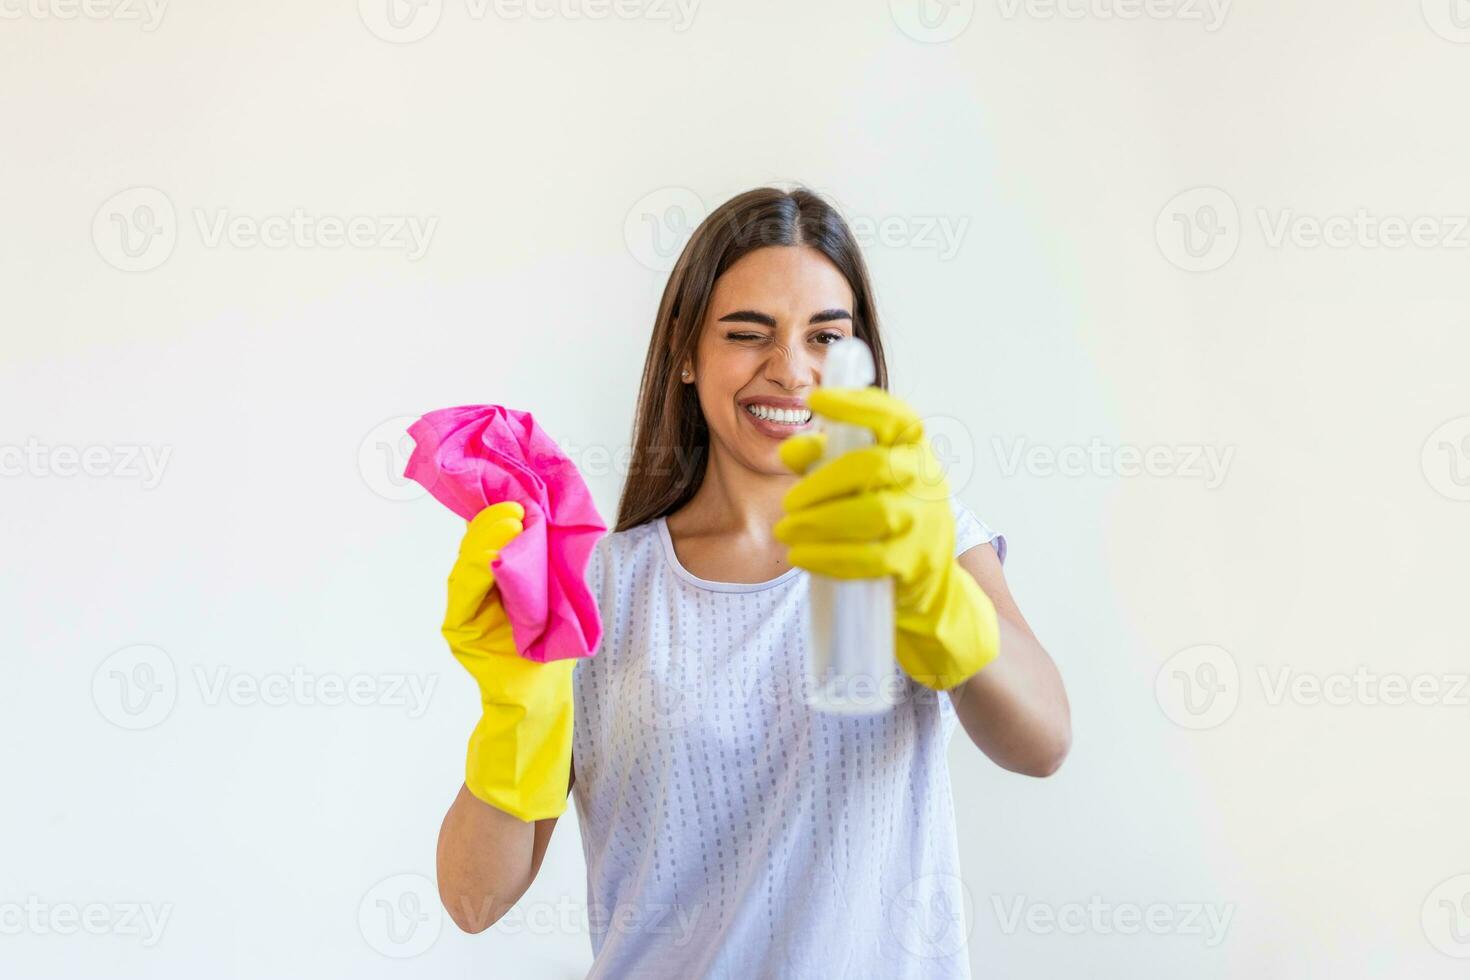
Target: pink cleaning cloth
point(477, 455)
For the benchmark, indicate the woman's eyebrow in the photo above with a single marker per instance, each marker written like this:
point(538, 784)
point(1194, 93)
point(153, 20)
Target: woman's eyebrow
point(827, 316)
point(765, 319)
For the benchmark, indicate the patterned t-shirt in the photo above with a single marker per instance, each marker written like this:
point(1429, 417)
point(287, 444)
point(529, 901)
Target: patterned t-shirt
point(730, 830)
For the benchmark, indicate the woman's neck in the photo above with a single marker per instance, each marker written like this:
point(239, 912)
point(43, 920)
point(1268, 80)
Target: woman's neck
point(736, 500)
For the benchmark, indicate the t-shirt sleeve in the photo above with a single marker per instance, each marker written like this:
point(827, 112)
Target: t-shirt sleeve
point(969, 531)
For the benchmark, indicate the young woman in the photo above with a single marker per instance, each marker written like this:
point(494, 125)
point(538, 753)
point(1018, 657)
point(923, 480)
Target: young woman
point(729, 829)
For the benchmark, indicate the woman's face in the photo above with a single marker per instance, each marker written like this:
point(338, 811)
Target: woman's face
point(771, 318)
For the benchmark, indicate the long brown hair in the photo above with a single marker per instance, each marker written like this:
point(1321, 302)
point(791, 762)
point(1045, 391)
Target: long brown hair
point(670, 437)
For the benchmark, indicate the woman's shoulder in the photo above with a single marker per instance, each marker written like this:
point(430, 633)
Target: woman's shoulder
point(619, 550)
point(615, 543)
point(971, 530)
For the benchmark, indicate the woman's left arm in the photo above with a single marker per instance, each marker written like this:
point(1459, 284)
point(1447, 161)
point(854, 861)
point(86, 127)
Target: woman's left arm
point(1015, 710)
point(880, 511)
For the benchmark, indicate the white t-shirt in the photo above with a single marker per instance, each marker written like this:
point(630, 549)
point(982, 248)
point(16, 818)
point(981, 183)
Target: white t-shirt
point(730, 830)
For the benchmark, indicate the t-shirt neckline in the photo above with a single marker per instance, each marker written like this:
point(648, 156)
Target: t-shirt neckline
point(711, 585)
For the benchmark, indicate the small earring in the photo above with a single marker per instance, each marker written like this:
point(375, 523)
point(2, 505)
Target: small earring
point(686, 375)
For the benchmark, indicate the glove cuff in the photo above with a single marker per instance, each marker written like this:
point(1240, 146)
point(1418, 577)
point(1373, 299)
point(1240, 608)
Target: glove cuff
point(520, 754)
point(954, 639)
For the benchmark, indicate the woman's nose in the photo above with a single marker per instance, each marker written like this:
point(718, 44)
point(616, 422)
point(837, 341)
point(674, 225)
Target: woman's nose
point(792, 369)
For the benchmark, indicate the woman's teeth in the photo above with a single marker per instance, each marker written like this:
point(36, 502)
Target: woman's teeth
point(781, 416)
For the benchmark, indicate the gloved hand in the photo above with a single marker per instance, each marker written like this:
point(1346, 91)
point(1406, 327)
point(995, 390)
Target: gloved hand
point(884, 510)
point(520, 755)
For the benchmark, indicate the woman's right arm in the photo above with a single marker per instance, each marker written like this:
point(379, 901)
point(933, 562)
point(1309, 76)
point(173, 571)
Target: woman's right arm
point(518, 769)
point(486, 860)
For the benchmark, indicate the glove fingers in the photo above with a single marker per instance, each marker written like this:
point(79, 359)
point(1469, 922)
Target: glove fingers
point(493, 528)
point(855, 472)
point(890, 419)
point(865, 517)
point(799, 452)
point(473, 606)
point(844, 559)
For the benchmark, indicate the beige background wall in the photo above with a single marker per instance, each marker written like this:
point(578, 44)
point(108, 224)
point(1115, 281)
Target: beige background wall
point(1097, 241)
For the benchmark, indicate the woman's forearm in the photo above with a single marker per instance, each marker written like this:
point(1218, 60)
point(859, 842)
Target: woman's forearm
point(1015, 710)
point(486, 860)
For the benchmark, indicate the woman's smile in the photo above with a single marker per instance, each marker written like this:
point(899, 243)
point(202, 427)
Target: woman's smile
point(776, 417)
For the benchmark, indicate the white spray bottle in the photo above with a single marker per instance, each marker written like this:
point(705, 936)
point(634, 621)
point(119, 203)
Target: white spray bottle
point(852, 666)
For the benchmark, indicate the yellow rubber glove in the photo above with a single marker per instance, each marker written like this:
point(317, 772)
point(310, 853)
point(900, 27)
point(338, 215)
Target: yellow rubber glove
point(520, 755)
point(884, 510)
